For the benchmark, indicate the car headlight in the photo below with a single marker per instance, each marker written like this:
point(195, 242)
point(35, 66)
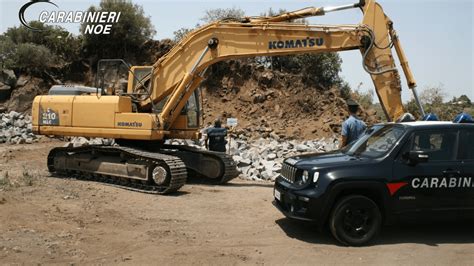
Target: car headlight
point(315, 177)
point(305, 177)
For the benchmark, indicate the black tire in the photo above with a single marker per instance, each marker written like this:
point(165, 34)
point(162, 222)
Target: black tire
point(355, 220)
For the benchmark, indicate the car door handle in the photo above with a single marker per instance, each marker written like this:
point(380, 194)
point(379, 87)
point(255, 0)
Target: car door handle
point(451, 172)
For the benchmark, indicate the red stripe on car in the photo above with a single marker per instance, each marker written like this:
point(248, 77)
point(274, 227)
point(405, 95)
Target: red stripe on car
point(394, 187)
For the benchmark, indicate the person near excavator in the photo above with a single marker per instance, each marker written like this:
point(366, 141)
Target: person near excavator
point(352, 127)
point(216, 137)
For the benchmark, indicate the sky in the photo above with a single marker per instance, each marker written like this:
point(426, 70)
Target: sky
point(437, 35)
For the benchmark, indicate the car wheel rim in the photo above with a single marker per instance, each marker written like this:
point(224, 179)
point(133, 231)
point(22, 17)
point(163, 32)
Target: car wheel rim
point(357, 221)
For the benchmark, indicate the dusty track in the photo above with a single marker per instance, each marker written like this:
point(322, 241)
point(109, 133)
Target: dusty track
point(49, 220)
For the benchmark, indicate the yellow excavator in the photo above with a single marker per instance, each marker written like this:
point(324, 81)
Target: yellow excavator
point(162, 101)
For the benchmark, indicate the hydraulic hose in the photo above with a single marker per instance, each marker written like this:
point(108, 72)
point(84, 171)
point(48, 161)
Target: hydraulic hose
point(366, 53)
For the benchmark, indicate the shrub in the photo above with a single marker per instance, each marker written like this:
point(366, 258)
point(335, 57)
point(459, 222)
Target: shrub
point(59, 41)
point(32, 56)
point(126, 37)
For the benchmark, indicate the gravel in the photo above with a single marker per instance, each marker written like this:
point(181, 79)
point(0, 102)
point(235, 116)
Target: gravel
point(262, 159)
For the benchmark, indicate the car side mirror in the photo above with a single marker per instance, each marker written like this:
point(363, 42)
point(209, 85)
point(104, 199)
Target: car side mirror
point(415, 157)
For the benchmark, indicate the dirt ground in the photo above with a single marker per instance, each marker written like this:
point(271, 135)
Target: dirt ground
point(49, 220)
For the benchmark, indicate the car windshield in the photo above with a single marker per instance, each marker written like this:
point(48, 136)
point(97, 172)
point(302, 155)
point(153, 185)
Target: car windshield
point(376, 141)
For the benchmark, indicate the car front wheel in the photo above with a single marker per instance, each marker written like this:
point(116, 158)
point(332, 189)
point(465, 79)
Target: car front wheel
point(355, 220)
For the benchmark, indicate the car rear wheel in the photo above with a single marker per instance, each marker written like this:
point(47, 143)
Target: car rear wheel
point(355, 220)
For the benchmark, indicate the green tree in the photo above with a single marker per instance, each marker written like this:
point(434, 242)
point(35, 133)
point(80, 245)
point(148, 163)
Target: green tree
point(59, 41)
point(27, 57)
point(433, 95)
point(345, 90)
point(365, 99)
point(321, 69)
point(212, 15)
point(432, 99)
point(7, 52)
point(462, 100)
point(127, 36)
point(29, 51)
point(31, 56)
point(181, 33)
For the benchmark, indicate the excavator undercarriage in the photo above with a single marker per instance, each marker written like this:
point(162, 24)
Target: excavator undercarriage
point(122, 166)
point(159, 172)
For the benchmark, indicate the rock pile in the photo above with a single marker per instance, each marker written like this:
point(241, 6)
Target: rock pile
point(262, 159)
point(16, 128)
point(82, 141)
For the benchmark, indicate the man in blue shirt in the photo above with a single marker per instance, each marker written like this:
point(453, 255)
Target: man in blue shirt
point(216, 137)
point(353, 127)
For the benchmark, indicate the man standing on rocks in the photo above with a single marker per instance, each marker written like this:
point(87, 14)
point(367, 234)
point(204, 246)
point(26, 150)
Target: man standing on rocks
point(353, 127)
point(216, 137)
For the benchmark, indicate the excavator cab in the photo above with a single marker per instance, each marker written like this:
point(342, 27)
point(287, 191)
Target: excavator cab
point(188, 121)
point(110, 80)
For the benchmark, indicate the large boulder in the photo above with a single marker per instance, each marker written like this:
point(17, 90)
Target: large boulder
point(7, 82)
point(22, 97)
point(5, 91)
point(8, 77)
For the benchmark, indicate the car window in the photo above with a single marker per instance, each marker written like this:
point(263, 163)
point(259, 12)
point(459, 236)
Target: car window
point(440, 146)
point(376, 142)
point(469, 147)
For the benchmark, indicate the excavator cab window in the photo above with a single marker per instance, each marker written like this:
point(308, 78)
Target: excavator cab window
point(111, 76)
point(159, 106)
point(192, 110)
point(137, 75)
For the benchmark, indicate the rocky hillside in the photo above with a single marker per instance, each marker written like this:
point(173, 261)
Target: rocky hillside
point(272, 103)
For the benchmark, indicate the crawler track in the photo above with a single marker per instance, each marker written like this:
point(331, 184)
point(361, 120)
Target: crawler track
point(176, 176)
point(228, 168)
